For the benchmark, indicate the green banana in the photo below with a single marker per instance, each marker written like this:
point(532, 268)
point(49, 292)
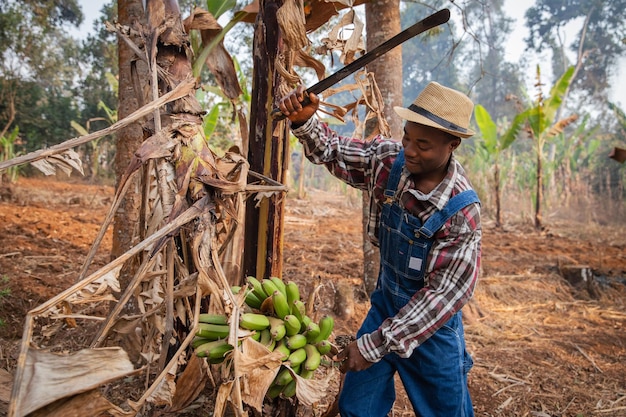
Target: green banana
point(293, 292)
point(280, 285)
point(235, 289)
point(297, 357)
point(266, 337)
point(217, 354)
point(213, 318)
point(254, 321)
point(252, 300)
point(257, 288)
point(298, 309)
point(326, 323)
point(197, 341)
point(290, 389)
point(281, 308)
point(313, 358)
point(306, 374)
point(214, 349)
point(312, 332)
point(283, 377)
point(212, 331)
point(296, 341)
point(278, 329)
point(274, 391)
point(306, 320)
point(269, 287)
point(282, 348)
point(292, 324)
point(323, 347)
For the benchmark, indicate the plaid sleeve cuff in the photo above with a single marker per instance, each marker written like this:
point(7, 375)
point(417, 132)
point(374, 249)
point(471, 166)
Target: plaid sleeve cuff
point(371, 346)
point(303, 128)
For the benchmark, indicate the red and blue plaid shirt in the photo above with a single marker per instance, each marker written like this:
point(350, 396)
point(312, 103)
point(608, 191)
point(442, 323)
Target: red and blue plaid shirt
point(454, 260)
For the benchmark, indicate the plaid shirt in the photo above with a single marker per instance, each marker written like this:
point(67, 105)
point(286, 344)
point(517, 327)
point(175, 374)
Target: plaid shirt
point(454, 260)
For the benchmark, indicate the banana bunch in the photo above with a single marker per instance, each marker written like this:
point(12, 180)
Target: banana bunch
point(277, 317)
point(210, 339)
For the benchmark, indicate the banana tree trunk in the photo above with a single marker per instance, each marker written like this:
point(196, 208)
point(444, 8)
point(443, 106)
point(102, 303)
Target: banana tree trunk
point(268, 146)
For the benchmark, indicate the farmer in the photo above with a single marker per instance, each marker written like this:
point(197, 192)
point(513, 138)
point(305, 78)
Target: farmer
point(425, 218)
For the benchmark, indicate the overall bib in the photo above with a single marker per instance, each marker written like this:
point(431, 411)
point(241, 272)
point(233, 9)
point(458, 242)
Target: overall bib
point(435, 375)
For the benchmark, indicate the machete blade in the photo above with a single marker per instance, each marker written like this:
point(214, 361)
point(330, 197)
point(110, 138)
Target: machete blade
point(434, 20)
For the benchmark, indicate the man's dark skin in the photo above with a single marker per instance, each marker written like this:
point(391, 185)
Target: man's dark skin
point(427, 152)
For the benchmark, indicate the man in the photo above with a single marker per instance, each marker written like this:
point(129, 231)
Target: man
point(425, 217)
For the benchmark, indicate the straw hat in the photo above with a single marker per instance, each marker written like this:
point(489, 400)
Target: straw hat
point(442, 108)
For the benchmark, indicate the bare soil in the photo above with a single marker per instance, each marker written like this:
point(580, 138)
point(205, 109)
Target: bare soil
point(541, 346)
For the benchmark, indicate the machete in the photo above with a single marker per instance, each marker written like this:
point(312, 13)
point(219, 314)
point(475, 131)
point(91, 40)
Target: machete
point(434, 20)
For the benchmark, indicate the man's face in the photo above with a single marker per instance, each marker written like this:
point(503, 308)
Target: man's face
point(426, 149)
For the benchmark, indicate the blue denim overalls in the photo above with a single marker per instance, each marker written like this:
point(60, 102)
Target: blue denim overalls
point(435, 375)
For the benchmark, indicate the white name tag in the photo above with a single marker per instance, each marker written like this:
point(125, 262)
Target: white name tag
point(415, 263)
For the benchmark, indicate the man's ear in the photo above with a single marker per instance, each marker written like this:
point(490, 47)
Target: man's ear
point(454, 143)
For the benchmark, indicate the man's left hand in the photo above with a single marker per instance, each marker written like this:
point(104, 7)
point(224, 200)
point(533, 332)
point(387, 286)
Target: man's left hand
point(351, 359)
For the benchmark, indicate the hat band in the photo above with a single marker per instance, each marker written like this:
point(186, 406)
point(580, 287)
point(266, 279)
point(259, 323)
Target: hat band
point(433, 117)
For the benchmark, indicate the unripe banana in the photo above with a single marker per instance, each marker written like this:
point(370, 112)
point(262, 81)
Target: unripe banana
point(313, 358)
point(257, 288)
point(290, 389)
point(281, 308)
point(266, 337)
point(274, 391)
point(323, 347)
point(213, 349)
point(278, 329)
point(252, 300)
point(327, 323)
point(283, 377)
point(282, 348)
point(254, 321)
point(306, 320)
point(306, 374)
point(298, 309)
point(269, 287)
point(256, 336)
point(296, 341)
point(292, 324)
point(235, 289)
point(297, 357)
point(212, 331)
point(217, 354)
point(293, 292)
point(312, 332)
point(197, 341)
point(280, 285)
point(212, 318)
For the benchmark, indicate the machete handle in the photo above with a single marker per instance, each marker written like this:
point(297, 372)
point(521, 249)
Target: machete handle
point(278, 115)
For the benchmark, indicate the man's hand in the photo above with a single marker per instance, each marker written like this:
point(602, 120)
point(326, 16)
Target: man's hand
point(351, 359)
point(291, 106)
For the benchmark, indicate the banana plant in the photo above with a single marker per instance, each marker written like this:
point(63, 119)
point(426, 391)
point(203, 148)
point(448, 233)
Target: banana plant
point(542, 127)
point(7, 151)
point(493, 145)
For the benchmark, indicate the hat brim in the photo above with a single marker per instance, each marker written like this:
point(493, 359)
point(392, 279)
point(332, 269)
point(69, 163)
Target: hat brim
point(411, 116)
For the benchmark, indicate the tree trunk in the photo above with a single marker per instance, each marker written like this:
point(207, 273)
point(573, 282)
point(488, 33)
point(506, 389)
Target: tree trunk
point(496, 178)
point(382, 19)
point(131, 72)
point(539, 196)
point(264, 224)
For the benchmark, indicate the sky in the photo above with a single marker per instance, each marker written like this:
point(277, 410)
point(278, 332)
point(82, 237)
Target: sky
point(514, 8)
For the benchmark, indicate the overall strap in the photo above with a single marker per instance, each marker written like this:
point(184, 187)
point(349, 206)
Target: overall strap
point(439, 218)
point(394, 176)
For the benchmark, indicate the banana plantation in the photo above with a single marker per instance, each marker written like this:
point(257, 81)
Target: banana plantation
point(186, 301)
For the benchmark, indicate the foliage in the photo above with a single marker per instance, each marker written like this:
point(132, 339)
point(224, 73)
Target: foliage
point(7, 151)
point(603, 42)
point(4, 292)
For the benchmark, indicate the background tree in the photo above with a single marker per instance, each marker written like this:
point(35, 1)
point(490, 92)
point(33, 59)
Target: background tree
point(600, 47)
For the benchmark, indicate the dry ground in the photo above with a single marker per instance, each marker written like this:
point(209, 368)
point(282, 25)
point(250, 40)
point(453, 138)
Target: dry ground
point(541, 347)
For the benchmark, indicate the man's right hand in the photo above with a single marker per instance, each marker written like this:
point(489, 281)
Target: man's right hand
point(291, 106)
